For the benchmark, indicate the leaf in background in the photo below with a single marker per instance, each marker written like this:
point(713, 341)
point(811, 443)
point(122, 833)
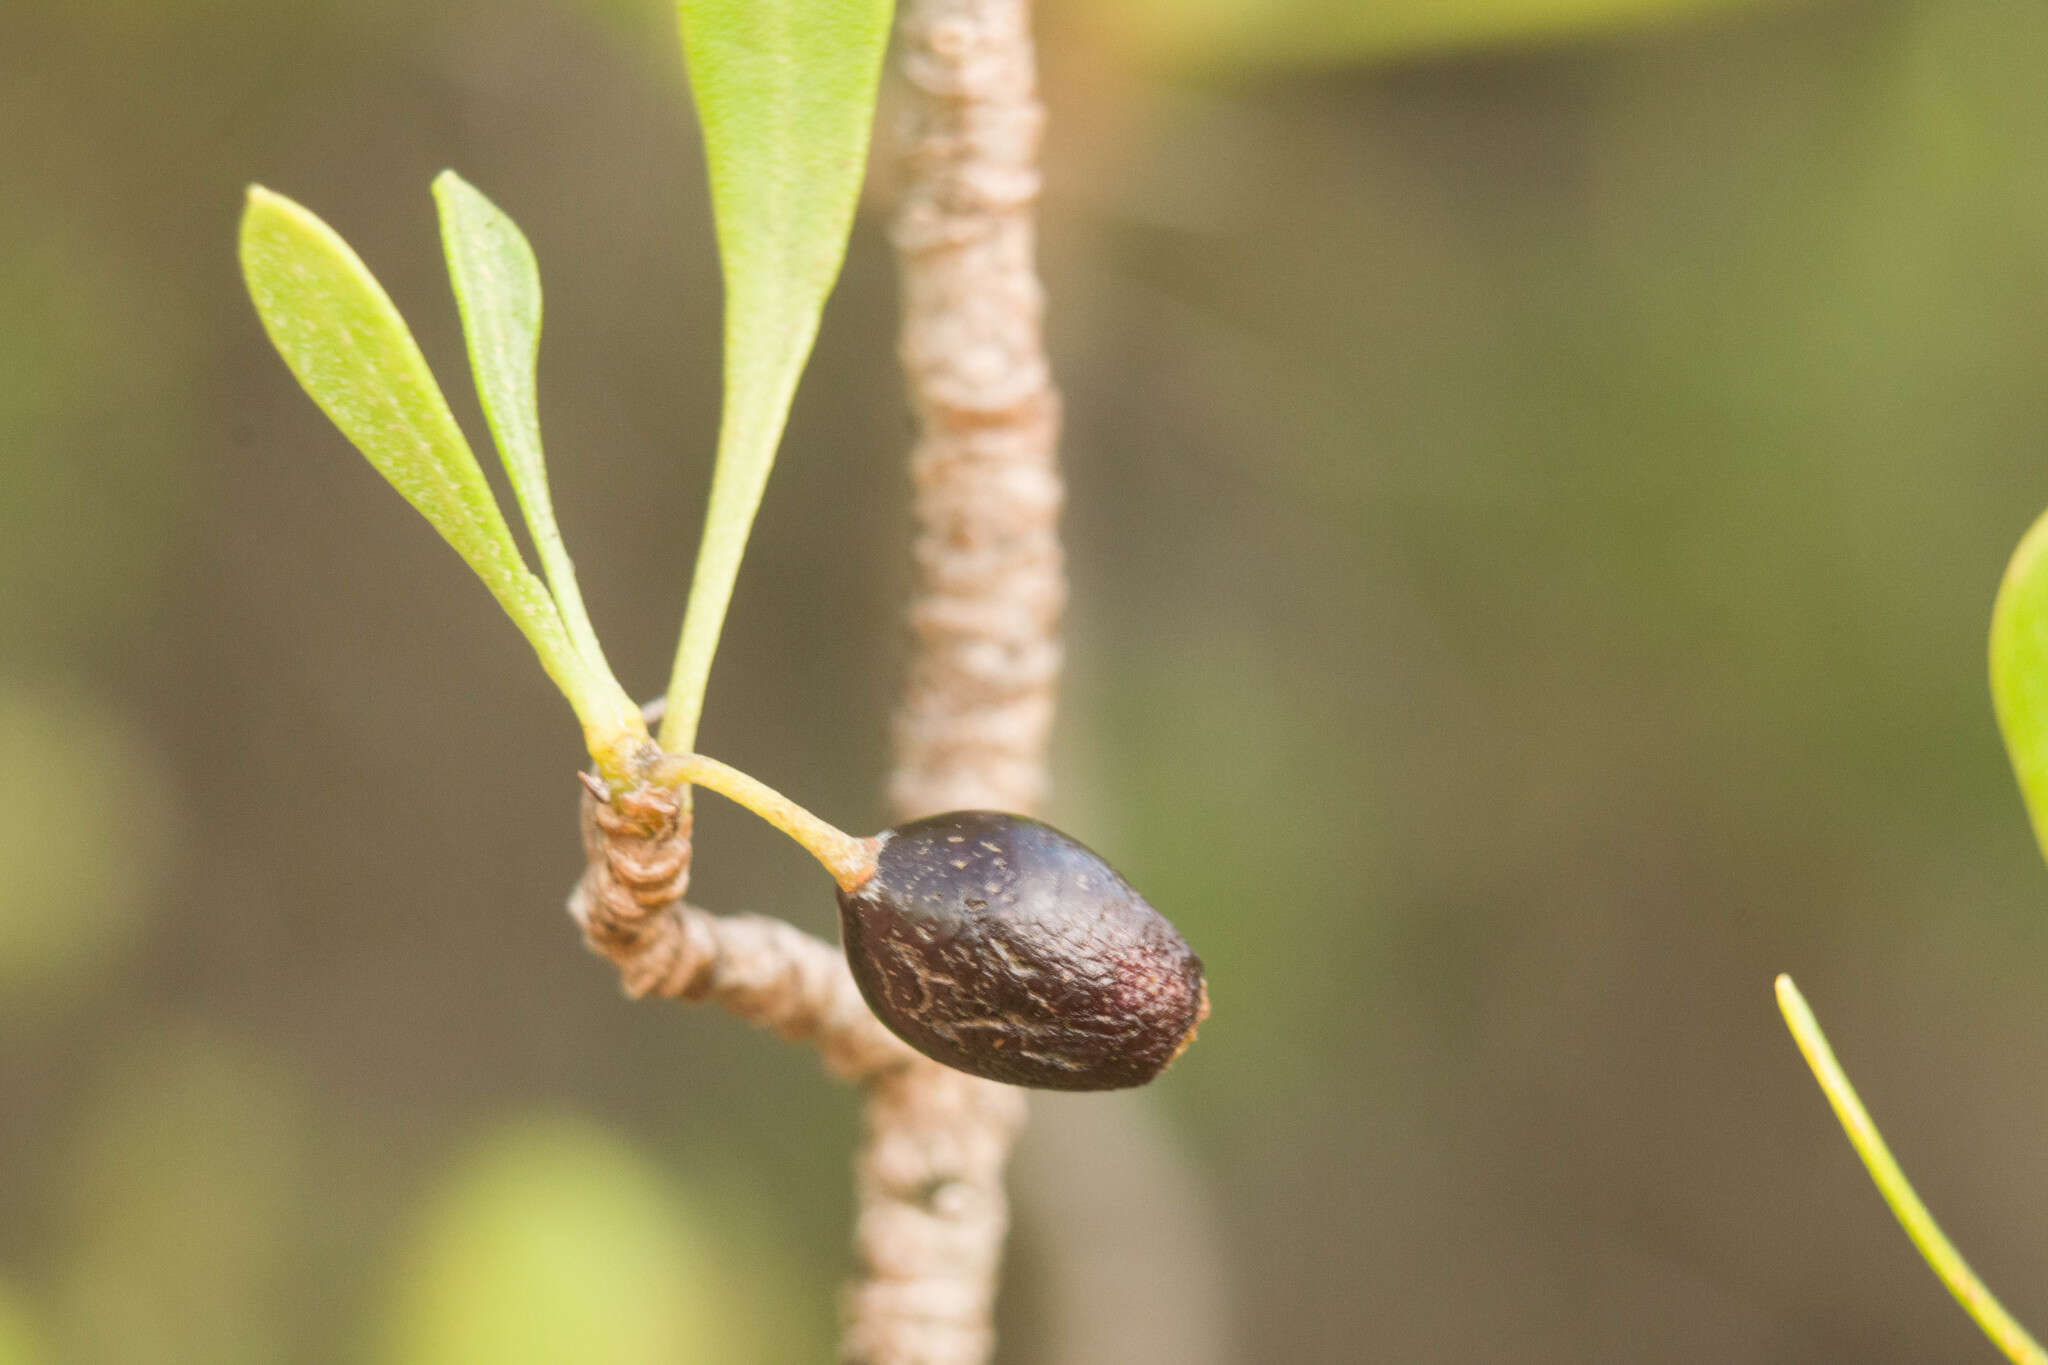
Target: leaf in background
point(20, 1342)
point(343, 339)
point(557, 1241)
point(1228, 36)
point(497, 289)
point(93, 909)
point(2019, 670)
point(183, 1127)
point(785, 93)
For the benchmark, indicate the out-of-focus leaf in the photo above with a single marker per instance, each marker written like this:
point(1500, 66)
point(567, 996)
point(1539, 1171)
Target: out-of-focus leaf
point(72, 295)
point(2019, 671)
point(1223, 36)
point(555, 1241)
point(785, 94)
point(72, 903)
point(20, 1343)
point(185, 1208)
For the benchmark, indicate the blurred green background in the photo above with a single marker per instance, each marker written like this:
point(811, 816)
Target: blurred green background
point(1539, 474)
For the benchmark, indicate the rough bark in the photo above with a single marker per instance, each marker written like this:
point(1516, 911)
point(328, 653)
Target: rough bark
point(768, 972)
point(977, 703)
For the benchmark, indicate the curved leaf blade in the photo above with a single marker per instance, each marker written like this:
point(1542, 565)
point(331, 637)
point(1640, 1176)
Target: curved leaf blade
point(497, 290)
point(351, 351)
point(2019, 671)
point(785, 95)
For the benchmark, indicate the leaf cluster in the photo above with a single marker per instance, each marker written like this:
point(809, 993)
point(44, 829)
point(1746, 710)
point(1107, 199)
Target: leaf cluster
point(784, 91)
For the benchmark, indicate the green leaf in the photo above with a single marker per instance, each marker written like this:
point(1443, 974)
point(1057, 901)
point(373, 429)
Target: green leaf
point(2019, 671)
point(1926, 1235)
point(497, 289)
point(554, 1241)
point(785, 94)
point(343, 339)
point(20, 1342)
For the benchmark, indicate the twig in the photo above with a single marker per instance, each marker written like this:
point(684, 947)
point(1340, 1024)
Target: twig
point(629, 903)
point(978, 699)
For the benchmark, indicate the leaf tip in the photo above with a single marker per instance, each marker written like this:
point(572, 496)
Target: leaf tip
point(259, 204)
point(455, 195)
point(1798, 1014)
point(256, 199)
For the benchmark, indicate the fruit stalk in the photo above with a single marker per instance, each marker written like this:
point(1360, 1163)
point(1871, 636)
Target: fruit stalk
point(850, 860)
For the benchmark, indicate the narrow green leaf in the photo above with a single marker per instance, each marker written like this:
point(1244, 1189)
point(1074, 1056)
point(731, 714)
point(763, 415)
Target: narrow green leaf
point(1927, 1237)
point(2019, 671)
point(785, 94)
point(497, 288)
point(343, 339)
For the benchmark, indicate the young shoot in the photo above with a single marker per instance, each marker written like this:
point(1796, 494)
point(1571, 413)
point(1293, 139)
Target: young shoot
point(344, 340)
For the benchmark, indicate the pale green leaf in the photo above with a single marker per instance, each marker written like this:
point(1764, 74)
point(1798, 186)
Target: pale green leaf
point(20, 1341)
point(497, 288)
point(785, 94)
point(343, 339)
point(2019, 670)
point(554, 1241)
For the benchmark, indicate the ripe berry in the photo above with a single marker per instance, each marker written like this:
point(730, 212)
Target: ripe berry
point(998, 945)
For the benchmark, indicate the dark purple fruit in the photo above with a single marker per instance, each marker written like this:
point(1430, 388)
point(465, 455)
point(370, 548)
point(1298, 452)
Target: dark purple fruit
point(997, 945)
point(993, 943)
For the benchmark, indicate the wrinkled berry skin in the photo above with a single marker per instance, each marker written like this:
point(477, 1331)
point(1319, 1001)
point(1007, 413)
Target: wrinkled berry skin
point(1001, 947)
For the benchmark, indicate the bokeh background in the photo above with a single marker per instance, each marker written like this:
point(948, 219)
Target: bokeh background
point(1539, 473)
